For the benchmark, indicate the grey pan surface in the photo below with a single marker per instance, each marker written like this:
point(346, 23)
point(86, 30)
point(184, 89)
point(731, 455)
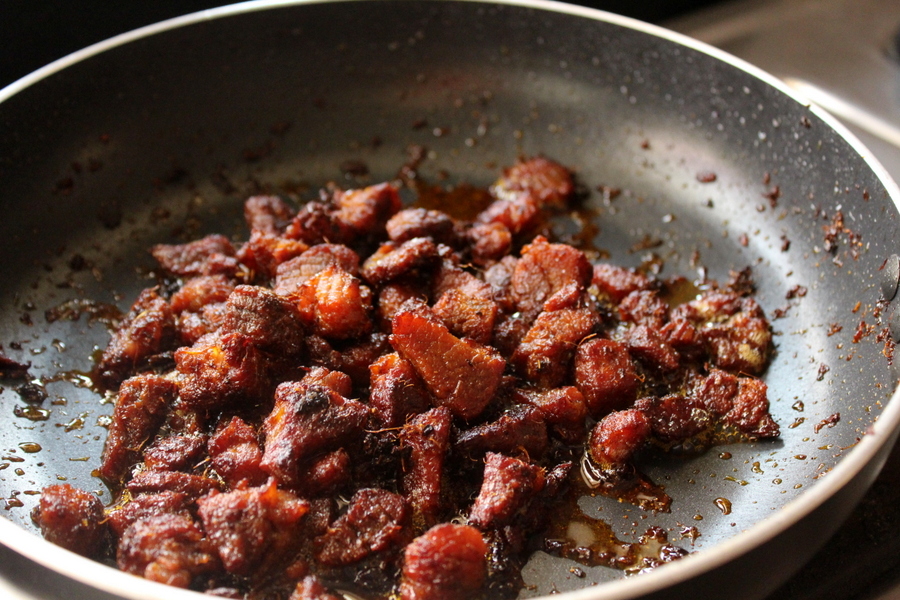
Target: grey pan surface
point(158, 136)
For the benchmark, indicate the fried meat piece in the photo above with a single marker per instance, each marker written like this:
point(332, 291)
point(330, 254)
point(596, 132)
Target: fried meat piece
point(393, 260)
point(517, 214)
point(549, 182)
point(542, 270)
point(235, 453)
point(140, 410)
point(647, 345)
point(461, 374)
point(312, 588)
point(291, 274)
point(148, 329)
point(366, 211)
point(644, 307)
point(317, 223)
point(468, 315)
point(175, 452)
point(264, 252)
point(269, 322)
point(448, 561)
point(268, 214)
point(488, 242)
point(71, 518)
point(519, 429)
point(213, 254)
point(565, 408)
point(307, 421)
point(420, 222)
point(616, 282)
point(197, 292)
point(544, 356)
point(508, 485)
point(396, 391)
point(376, 520)
point(166, 548)
point(328, 474)
point(675, 418)
point(428, 438)
point(334, 304)
point(253, 528)
point(149, 482)
point(741, 402)
point(617, 436)
point(605, 374)
point(145, 505)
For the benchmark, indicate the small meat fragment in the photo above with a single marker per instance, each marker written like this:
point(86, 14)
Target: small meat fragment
point(235, 453)
point(311, 588)
point(71, 518)
point(140, 410)
point(488, 242)
point(428, 438)
point(13, 369)
point(269, 214)
point(644, 307)
point(617, 436)
point(359, 354)
point(335, 304)
point(392, 260)
point(150, 482)
point(508, 485)
point(293, 273)
point(166, 548)
point(521, 428)
point(307, 420)
point(647, 345)
point(738, 401)
point(565, 408)
point(605, 374)
point(516, 214)
point(328, 474)
point(316, 223)
point(675, 418)
point(544, 357)
point(448, 562)
point(148, 329)
point(375, 521)
point(419, 222)
point(336, 381)
point(200, 291)
point(253, 528)
point(145, 505)
point(617, 282)
point(366, 211)
point(468, 315)
point(461, 374)
point(396, 390)
point(175, 452)
point(544, 269)
point(269, 322)
point(395, 297)
point(549, 182)
point(211, 255)
point(264, 252)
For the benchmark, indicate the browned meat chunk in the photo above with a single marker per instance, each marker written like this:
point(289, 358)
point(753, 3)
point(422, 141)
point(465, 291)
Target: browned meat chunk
point(564, 407)
point(448, 562)
point(741, 402)
point(521, 428)
point(166, 548)
point(140, 410)
point(428, 438)
point(419, 222)
point(253, 528)
point(311, 588)
point(336, 381)
point(175, 452)
point(269, 214)
point(148, 329)
point(544, 357)
point(211, 255)
point(393, 298)
point(392, 260)
point(617, 282)
point(508, 485)
point(293, 273)
point(516, 214)
point(396, 390)
point(644, 307)
point(648, 346)
point(307, 420)
point(375, 520)
point(359, 354)
point(328, 474)
point(194, 325)
point(264, 252)
point(460, 374)
point(547, 181)
point(617, 436)
point(675, 418)
point(468, 315)
point(543, 270)
point(366, 211)
point(149, 482)
point(335, 304)
point(235, 453)
point(145, 505)
point(269, 322)
point(316, 223)
point(200, 291)
point(71, 518)
point(605, 374)
point(488, 242)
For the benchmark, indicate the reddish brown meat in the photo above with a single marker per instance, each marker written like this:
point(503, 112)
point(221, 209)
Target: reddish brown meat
point(617, 436)
point(605, 374)
point(147, 330)
point(264, 252)
point(675, 418)
point(166, 548)
point(460, 374)
point(521, 428)
point(374, 522)
point(488, 242)
point(141, 407)
point(547, 181)
point(393, 260)
point(366, 211)
point(508, 485)
point(197, 292)
point(253, 528)
point(396, 391)
point(563, 407)
point(145, 505)
point(335, 304)
point(236, 454)
point(71, 518)
point(448, 562)
point(316, 223)
point(307, 420)
point(468, 315)
point(269, 214)
point(420, 222)
point(428, 438)
point(542, 270)
point(211, 255)
point(544, 357)
point(160, 481)
point(175, 452)
point(741, 402)
point(617, 282)
point(293, 273)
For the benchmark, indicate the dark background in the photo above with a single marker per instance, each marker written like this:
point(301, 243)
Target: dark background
point(34, 33)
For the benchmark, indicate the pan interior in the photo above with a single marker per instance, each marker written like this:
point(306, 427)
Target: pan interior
point(161, 139)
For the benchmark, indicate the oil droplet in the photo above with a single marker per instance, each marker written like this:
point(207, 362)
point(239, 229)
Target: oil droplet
point(19, 472)
point(798, 406)
point(756, 468)
point(725, 455)
point(698, 517)
point(30, 447)
point(800, 456)
point(32, 413)
point(13, 503)
point(776, 481)
point(723, 504)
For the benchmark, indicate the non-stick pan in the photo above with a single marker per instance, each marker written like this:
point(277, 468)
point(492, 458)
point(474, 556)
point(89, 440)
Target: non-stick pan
point(158, 135)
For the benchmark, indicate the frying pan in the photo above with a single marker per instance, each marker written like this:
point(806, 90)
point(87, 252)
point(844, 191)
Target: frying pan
point(159, 135)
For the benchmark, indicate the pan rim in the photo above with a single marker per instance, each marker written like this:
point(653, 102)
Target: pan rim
point(880, 433)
